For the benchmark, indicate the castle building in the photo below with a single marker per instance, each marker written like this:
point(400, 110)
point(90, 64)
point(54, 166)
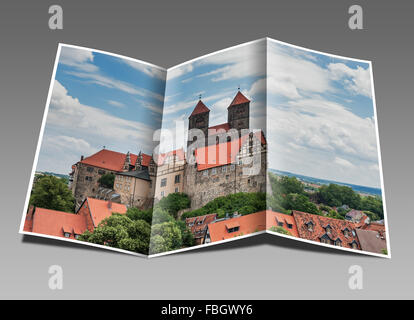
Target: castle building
point(223, 165)
point(85, 175)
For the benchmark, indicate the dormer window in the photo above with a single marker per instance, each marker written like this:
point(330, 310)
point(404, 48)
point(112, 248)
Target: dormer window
point(346, 232)
point(309, 225)
point(338, 242)
point(328, 229)
point(66, 234)
point(325, 239)
point(290, 226)
point(354, 245)
point(77, 236)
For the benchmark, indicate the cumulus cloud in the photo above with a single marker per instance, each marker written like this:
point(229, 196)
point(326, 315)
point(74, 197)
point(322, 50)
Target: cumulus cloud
point(357, 81)
point(151, 71)
point(81, 59)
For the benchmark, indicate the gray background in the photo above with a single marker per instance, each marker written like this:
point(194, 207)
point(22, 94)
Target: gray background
point(167, 33)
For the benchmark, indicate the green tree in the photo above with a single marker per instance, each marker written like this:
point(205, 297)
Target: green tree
point(121, 232)
point(137, 214)
point(107, 180)
point(50, 192)
point(299, 202)
point(165, 236)
point(174, 202)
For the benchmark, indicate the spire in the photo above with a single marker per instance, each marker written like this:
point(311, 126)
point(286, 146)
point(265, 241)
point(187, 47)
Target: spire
point(239, 99)
point(127, 161)
point(200, 108)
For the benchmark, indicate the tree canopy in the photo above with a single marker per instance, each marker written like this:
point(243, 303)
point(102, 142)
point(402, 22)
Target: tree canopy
point(107, 180)
point(50, 192)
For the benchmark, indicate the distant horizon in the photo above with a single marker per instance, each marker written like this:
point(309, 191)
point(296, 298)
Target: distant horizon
point(328, 180)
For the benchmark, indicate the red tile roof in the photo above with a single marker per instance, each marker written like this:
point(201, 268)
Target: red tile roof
point(55, 223)
point(223, 126)
point(179, 153)
point(239, 99)
point(275, 218)
point(371, 241)
point(320, 223)
point(247, 224)
point(200, 108)
point(100, 210)
point(198, 225)
point(223, 153)
point(112, 160)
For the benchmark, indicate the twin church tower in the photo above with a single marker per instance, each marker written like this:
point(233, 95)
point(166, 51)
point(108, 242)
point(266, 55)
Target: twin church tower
point(238, 114)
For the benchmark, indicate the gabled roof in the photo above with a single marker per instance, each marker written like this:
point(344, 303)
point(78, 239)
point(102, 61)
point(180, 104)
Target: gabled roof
point(247, 224)
point(100, 210)
point(319, 224)
point(238, 99)
point(112, 160)
point(55, 223)
point(273, 218)
point(221, 154)
point(200, 108)
point(198, 225)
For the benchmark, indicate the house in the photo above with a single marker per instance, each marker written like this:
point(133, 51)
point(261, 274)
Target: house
point(234, 227)
point(198, 226)
point(94, 211)
point(54, 223)
point(372, 241)
point(170, 173)
point(355, 216)
point(326, 230)
point(71, 225)
point(285, 221)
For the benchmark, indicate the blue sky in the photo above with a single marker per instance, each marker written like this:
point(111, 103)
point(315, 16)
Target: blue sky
point(217, 78)
point(322, 116)
point(100, 100)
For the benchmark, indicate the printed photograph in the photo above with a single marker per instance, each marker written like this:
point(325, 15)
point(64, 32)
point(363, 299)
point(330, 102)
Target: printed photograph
point(95, 175)
point(324, 169)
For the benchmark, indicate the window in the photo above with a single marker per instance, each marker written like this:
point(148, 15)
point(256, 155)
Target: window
point(205, 173)
point(290, 226)
point(354, 245)
point(176, 190)
point(163, 182)
point(227, 177)
point(310, 226)
point(88, 178)
point(89, 169)
point(66, 234)
point(232, 167)
point(162, 193)
point(214, 171)
point(346, 232)
point(100, 171)
point(223, 169)
point(338, 242)
point(328, 229)
point(234, 229)
point(177, 179)
point(280, 224)
point(77, 236)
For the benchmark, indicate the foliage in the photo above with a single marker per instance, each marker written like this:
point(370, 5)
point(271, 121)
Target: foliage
point(50, 192)
point(174, 202)
point(241, 202)
point(107, 180)
point(374, 205)
point(279, 229)
point(137, 214)
point(299, 202)
point(121, 232)
point(285, 185)
point(165, 236)
point(335, 195)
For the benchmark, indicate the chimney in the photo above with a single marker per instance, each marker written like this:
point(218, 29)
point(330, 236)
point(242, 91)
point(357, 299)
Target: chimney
point(81, 158)
point(110, 203)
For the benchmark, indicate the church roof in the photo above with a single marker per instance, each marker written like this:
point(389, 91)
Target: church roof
point(200, 108)
point(239, 99)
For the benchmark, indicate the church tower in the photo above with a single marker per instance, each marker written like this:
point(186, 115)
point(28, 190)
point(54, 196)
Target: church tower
point(238, 112)
point(199, 119)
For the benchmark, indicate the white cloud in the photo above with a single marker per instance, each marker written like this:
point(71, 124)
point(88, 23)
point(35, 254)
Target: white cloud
point(148, 70)
point(116, 84)
point(343, 162)
point(78, 58)
point(179, 71)
point(356, 80)
point(116, 103)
